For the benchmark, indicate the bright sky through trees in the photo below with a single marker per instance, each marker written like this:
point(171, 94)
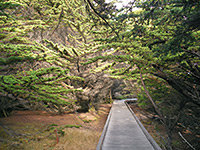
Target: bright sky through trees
point(120, 3)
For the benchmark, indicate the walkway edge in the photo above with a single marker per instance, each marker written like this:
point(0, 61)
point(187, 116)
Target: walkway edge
point(103, 134)
point(149, 137)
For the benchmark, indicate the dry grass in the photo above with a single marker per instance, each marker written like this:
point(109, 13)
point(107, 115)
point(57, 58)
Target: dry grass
point(41, 136)
point(82, 138)
point(74, 139)
point(78, 139)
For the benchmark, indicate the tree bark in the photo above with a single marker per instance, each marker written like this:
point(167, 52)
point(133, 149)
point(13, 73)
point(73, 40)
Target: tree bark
point(161, 117)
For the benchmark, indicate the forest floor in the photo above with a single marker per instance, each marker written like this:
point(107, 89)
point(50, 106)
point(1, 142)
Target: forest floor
point(38, 130)
point(158, 132)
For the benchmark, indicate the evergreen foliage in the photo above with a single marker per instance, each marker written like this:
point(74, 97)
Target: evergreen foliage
point(34, 68)
point(160, 44)
point(43, 45)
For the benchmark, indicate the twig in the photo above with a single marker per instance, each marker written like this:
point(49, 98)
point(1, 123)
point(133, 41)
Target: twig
point(92, 7)
point(57, 138)
point(59, 21)
point(186, 140)
point(4, 113)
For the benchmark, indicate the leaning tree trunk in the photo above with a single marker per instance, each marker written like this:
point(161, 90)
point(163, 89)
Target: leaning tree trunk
point(161, 117)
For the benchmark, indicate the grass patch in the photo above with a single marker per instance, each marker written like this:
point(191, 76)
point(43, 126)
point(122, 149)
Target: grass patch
point(87, 121)
point(72, 126)
point(77, 139)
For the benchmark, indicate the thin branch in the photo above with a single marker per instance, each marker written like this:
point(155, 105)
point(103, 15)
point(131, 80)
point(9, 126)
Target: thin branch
point(92, 7)
point(186, 141)
point(150, 98)
point(59, 21)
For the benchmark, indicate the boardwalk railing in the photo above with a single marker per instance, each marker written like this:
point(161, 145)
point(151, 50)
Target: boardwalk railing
point(103, 134)
point(148, 136)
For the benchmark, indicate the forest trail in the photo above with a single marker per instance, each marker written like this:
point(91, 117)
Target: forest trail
point(122, 131)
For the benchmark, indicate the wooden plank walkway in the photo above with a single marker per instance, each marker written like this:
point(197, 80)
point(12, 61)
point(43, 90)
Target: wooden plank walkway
point(122, 131)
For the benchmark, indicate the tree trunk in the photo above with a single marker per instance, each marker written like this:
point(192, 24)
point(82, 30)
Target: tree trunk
point(161, 117)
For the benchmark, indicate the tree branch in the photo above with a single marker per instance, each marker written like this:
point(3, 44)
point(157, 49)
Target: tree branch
point(59, 21)
point(92, 7)
point(186, 141)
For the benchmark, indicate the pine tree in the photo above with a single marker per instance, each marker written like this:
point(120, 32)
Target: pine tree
point(33, 68)
point(158, 45)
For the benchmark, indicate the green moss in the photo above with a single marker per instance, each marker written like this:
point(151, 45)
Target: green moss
point(72, 126)
point(87, 121)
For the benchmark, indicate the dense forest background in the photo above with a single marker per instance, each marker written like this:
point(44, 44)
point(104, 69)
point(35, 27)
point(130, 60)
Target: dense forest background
point(71, 55)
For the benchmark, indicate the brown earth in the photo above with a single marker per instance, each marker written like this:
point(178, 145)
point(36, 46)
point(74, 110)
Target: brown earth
point(157, 131)
point(39, 130)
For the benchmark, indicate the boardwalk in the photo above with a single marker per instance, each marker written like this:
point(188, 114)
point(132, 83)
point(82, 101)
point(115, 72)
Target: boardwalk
point(122, 131)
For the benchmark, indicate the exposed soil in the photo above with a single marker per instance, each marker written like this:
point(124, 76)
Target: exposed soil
point(47, 131)
point(157, 131)
point(39, 130)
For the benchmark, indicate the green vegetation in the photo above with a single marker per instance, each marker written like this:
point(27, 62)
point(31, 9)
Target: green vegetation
point(158, 46)
point(55, 54)
point(35, 63)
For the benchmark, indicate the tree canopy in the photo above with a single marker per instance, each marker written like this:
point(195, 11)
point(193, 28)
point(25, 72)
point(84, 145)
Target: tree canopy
point(53, 50)
point(159, 46)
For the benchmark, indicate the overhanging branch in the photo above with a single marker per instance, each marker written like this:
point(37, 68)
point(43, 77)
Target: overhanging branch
point(92, 7)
